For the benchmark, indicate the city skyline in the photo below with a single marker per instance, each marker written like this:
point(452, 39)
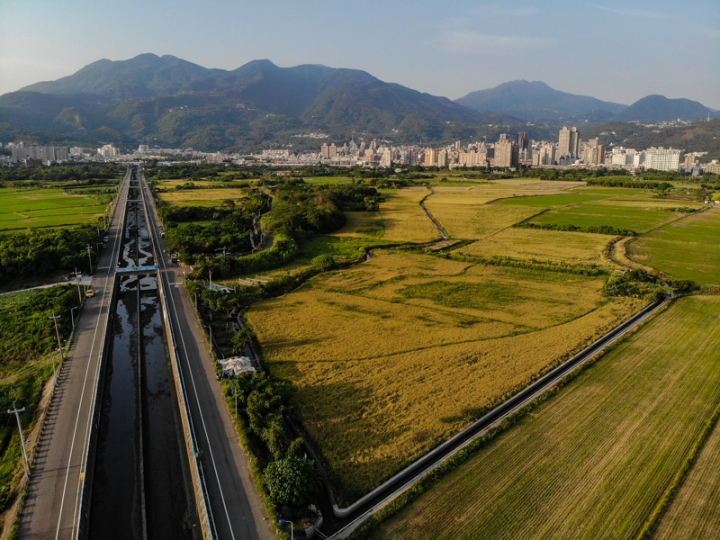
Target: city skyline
point(619, 52)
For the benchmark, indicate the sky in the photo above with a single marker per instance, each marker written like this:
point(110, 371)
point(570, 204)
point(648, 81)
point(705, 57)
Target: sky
point(617, 51)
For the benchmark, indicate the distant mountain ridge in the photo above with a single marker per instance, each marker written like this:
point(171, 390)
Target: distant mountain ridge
point(169, 101)
point(172, 102)
point(536, 101)
point(657, 108)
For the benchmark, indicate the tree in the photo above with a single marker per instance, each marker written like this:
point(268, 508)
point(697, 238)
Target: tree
point(240, 340)
point(325, 261)
point(290, 481)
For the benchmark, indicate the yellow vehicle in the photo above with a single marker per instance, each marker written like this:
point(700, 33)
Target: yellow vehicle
point(89, 293)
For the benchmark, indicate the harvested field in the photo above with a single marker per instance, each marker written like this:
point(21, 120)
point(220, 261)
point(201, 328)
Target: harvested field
point(695, 511)
point(593, 461)
point(685, 249)
point(391, 357)
point(542, 245)
point(403, 217)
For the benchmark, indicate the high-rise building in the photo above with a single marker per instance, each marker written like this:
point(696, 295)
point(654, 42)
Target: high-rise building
point(506, 153)
point(44, 154)
point(387, 158)
point(442, 159)
point(522, 141)
point(662, 159)
point(108, 151)
point(569, 141)
point(431, 157)
point(546, 154)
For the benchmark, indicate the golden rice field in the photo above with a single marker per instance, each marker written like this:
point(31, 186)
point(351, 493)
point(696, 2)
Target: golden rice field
point(202, 197)
point(594, 460)
point(542, 245)
point(404, 219)
point(464, 213)
point(393, 356)
point(362, 225)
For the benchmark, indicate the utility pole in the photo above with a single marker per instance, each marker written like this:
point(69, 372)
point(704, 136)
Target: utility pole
point(17, 412)
point(78, 286)
point(235, 389)
point(89, 257)
point(57, 333)
point(73, 315)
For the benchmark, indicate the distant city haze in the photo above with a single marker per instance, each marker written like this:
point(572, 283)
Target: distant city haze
point(614, 51)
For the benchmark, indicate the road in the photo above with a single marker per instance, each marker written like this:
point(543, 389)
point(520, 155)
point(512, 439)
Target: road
point(236, 507)
point(51, 506)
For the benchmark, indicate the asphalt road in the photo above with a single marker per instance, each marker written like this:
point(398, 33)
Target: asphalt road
point(51, 507)
point(236, 507)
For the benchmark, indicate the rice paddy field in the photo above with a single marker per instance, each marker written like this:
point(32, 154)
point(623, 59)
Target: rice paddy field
point(362, 225)
point(208, 197)
point(594, 460)
point(543, 245)
point(27, 208)
point(464, 211)
point(403, 218)
point(391, 357)
point(695, 510)
point(688, 248)
point(636, 210)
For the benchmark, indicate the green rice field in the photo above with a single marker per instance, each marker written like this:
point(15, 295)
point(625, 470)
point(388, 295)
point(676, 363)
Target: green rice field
point(26, 208)
point(685, 249)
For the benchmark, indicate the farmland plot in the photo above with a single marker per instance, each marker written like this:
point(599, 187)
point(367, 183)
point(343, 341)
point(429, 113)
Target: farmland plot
point(404, 219)
point(542, 245)
point(25, 208)
point(593, 461)
point(202, 197)
point(695, 511)
point(685, 249)
point(393, 356)
point(464, 213)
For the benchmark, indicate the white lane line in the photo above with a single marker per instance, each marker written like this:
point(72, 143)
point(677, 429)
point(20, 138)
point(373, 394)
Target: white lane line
point(197, 400)
point(77, 420)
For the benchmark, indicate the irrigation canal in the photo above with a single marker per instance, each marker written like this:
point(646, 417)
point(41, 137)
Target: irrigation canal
point(141, 486)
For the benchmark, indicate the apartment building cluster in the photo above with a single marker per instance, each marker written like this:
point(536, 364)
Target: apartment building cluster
point(506, 152)
point(36, 155)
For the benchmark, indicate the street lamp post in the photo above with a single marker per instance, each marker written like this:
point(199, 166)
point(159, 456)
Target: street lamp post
point(72, 315)
point(283, 522)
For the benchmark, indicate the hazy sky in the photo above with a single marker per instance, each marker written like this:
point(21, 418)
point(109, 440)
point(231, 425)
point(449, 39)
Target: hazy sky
point(614, 50)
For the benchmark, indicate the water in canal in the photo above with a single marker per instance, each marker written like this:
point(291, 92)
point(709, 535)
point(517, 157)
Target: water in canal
point(140, 476)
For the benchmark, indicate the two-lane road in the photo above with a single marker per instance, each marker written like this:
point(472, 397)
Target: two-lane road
point(236, 507)
point(51, 508)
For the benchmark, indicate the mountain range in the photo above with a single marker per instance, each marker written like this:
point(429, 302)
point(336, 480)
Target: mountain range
point(168, 101)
